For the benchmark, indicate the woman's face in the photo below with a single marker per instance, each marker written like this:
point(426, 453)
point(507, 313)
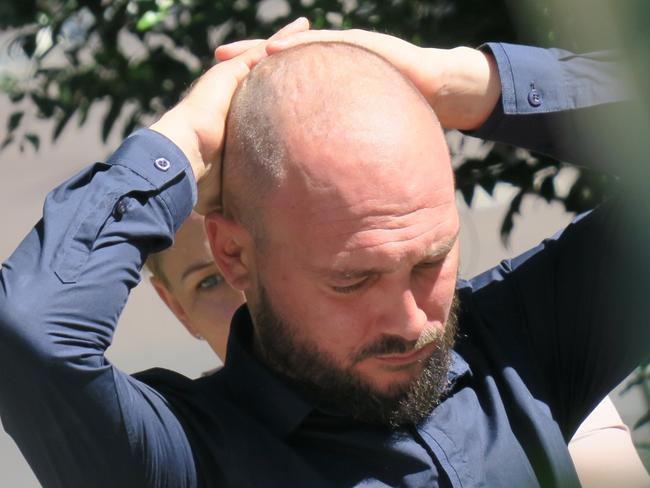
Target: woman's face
point(194, 289)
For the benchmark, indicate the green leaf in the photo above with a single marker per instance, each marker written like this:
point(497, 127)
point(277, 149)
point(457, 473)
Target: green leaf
point(34, 140)
point(508, 220)
point(28, 44)
point(109, 120)
point(639, 377)
point(14, 121)
point(149, 19)
point(16, 97)
point(488, 184)
point(62, 122)
point(84, 108)
point(547, 189)
point(643, 420)
point(8, 140)
point(131, 124)
point(468, 194)
point(45, 106)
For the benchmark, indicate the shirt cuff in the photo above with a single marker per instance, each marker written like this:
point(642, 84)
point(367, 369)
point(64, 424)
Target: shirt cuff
point(163, 167)
point(532, 79)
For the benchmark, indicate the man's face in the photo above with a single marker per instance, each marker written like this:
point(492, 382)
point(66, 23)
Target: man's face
point(360, 256)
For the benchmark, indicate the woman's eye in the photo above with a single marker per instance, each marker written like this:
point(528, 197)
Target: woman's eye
point(209, 282)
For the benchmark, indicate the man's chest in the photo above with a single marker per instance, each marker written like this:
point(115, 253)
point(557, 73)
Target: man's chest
point(488, 432)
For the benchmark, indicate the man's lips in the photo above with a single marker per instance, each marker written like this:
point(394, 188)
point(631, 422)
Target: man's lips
point(405, 358)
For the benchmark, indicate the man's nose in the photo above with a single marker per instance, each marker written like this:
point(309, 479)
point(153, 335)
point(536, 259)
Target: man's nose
point(402, 316)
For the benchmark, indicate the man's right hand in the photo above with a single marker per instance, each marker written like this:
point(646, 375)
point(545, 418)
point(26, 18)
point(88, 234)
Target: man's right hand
point(462, 85)
point(197, 123)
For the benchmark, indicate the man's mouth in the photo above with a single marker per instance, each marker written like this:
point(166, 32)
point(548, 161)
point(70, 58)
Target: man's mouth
point(402, 359)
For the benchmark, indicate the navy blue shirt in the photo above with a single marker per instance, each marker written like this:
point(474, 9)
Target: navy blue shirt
point(543, 337)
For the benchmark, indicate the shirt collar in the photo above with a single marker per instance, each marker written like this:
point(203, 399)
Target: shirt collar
point(256, 388)
point(458, 368)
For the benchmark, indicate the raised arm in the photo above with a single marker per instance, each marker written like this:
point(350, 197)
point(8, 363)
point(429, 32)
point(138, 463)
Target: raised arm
point(556, 102)
point(79, 420)
point(546, 100)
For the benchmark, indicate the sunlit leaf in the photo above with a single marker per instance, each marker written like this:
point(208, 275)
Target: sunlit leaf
point(148, 20)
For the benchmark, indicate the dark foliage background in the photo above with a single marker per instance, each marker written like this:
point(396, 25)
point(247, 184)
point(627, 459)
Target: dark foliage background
point(139, 56)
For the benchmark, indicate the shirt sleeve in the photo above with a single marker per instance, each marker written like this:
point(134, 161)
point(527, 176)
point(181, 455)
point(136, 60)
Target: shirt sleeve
point(78, 420)
point(571, 315)
point(568, 106)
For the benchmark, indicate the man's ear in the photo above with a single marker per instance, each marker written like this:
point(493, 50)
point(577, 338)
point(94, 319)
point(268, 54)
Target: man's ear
point(231, 246)
point(172, 303)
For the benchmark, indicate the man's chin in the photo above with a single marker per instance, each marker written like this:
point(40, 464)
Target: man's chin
point(390, 380)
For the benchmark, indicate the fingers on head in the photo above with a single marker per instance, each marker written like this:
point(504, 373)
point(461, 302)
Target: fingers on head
point(298, 25)
point(228, 51)
point(276, 45)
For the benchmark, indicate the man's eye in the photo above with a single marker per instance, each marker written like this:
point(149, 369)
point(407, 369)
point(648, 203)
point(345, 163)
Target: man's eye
point(429, 264)
point(350, 288)
point(209, 282)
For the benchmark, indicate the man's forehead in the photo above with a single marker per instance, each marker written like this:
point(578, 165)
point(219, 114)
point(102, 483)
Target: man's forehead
point(319, 230)
point(354, 195)
point(385, 258)
point(368, 223)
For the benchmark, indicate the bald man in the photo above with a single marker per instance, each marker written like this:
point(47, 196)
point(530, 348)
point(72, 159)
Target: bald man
point(359, 359)
point(325, 163)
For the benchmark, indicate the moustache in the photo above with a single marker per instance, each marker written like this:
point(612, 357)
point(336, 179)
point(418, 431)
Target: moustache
point(398, 345)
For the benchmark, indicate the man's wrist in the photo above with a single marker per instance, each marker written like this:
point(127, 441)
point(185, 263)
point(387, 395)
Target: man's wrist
point(162, 167)
point(468, 87)
point(175, 128)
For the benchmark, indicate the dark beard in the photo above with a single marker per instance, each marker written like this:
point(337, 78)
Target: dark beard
point(315, 374)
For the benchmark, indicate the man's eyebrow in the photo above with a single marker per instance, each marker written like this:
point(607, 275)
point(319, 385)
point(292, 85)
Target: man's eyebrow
point(350, 274)
point(437, 250)
point(444, 247)
point(193, 268)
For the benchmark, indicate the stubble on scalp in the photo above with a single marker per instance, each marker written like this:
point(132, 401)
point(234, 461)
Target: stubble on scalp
point(305, 95)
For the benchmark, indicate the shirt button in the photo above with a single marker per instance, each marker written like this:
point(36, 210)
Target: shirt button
point(534, 97)
point(162, 164)
point(120, 208)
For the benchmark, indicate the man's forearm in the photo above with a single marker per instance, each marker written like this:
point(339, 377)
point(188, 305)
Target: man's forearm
point(550, 99)
point(557, 103)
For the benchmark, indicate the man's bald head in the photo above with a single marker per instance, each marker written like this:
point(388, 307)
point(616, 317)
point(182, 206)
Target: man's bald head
point(311, 96)
point(338, 169)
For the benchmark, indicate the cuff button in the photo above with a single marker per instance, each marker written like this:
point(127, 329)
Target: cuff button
point(534, 97)
point(162, 164)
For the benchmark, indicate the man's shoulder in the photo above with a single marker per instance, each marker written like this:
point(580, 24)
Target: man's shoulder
point(195, 402)
point(175, 386)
